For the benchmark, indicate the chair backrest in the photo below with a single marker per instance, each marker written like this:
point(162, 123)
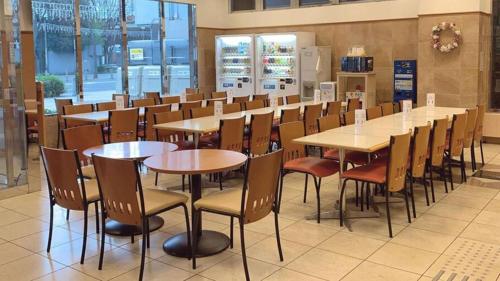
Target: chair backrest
point(61, 103)
point(241, 100)
point(63, 171)
point(311, 115)
point(260, 186)
point(143, 102)
point(333, 107)
point(199, 112)
point(192, 91)
point(457, 134)
point(81, 138)
point(398, 162)
point(105, 106)
point(120, 188)
point(212, 102)
point(470, 127)
point(218, 95)
point(263, 97)
point(280, 101)
point(170, 100)
point(231, 108)
point(478, 130)
point(373, 112)
point(123, 125)
point(419, 150)
point(292, 99)
point(396, 107)
point(126, 99)
point(149, 113)
point(349, 118)
point(194, 97)
point(328, 122)
point(287, 133)
point(353, 104)
point(76, 109)
point(387, 108)
point(153, 95)
point(168, 135)
point(255, 104)
point(260, 133)
point(231, 134)
point(290, 115)
point(438, 142)
point(187, 106)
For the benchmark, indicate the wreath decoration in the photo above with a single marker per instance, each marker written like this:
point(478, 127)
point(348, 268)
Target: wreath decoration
point(436, 37)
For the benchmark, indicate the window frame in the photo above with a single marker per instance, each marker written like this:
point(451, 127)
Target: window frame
point(295, 4)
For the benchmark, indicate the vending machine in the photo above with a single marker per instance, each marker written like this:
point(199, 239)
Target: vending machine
point(405, 80)
point(278, 62)
point(235, 64)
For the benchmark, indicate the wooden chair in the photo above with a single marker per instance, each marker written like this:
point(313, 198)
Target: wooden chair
point(373, 112)
point(194, 97)
point(218, 95)
point(170, 100)
point(353, 104)
point(295, 159)
point(455, 145)
point(212, 102)
point(264, 97)
point(241, 100)
point(253, 202)
point(123, 125)
point(81, 138)
point(105, 106)
point(231, 136)
point(287, 116)
point(349, 118)
point(260, 134)
point(292, 99)
point(199, 112)
point(387, 108)
point(149, 112)
point(390, 175)
point(68, 189)
point(280, 101)
point(437, 150)
point(396, 107)
point(125, 201)
point(311, 115)
point(231, 108)
point(76, 109)
point(419, 150)
point(60, 104)
point(125, 97)
point(153, 95)
point(143, 102)
point(469, 133)
point(255, 104)
point(192, 91)
point(478, 135)
point(333, 108)
point(187, 106)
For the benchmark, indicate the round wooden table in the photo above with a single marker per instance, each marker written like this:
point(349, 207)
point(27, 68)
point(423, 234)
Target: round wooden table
point(135, 150)
point(195, 163)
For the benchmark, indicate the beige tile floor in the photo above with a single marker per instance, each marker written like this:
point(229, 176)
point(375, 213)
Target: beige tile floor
point(458, 234)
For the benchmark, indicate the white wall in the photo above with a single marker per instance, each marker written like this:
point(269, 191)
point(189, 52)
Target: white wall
point(215, 13)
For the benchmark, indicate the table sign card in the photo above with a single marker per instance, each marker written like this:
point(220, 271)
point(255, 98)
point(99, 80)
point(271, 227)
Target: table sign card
point(431, 100)
point(407, 106)
point(273, 102)
point(317, 96)
point(218, 109)
point(230, 97)
point(174, 107)
point(204, 103)
point(360, 119)
point(183, 98)
point(120, 102)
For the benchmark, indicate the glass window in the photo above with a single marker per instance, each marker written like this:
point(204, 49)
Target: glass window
point(270, 4)
point(242, 5)
point(101, 49)
point(313, 2)
point(144, 50)
point(54, 33)
point(495, 71)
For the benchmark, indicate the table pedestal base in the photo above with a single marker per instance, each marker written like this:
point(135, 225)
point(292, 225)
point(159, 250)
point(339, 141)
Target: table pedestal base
point(209, 243)
point(119, 229)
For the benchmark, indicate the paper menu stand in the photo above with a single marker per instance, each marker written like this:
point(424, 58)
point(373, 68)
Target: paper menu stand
point(407, 106)
point(218, 109)
point(204, 103)
point(174, 107)
point(317, 96)
point(183, 97)
point(120, 102)
point(230, 97)
point(431, 100)
point(273, 102)
point(360, 119)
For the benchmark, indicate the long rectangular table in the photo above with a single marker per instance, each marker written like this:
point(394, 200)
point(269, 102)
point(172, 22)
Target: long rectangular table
point(373, 135)
point(95, 116)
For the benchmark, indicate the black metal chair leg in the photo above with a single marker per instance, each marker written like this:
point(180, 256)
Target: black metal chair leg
point(462, 167)
point(443, 176)
point(317, 185)
point(96, 207)
point(305, 188)
point(85, 226)
point(144, 244)
point(243, 250)
point(148, 238)
point(67, 214)
point(425, 190)
point(362, 197)
point(156, 180)
point(103, 225)
point(368, 196)
point(450, 171)
point(412, 197)
point(278, 240)
point(51, 226)
point(220, 181)
point(282, 178)
point(482, 154)
point(407, 203)
point(341, 211)
point(231, 232)
point(388, 211)
point(357, 194)
point(473, 157)
point(431, 178)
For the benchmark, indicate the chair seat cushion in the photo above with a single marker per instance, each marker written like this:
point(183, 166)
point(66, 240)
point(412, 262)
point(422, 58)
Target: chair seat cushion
point(374, 173)
point(355, 157)
point(275, 136)
point(226, 201)
point(317, 167)
point(157, 200)
point(210, 141)
point(185, 145)
point(88, 172)
point(92, 190)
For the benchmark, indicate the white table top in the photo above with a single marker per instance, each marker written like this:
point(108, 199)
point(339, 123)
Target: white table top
point(95, 116)
point(375, 134)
